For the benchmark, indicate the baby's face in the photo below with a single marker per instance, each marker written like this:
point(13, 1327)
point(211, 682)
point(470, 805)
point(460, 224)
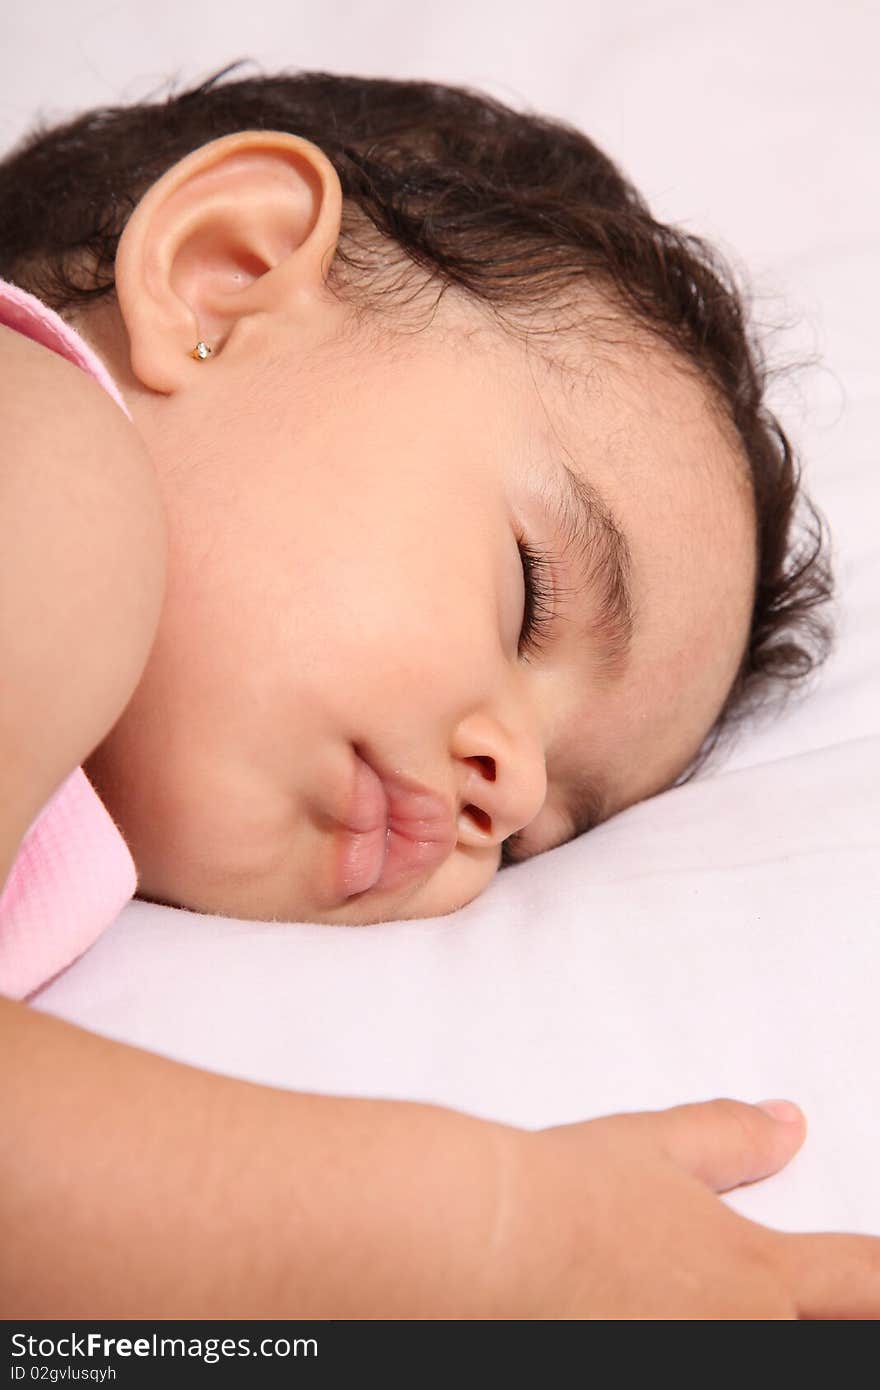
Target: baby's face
point(344, 573)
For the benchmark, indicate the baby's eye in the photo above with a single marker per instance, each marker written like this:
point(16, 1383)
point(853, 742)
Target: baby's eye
point(537, 627)
point(538, 614)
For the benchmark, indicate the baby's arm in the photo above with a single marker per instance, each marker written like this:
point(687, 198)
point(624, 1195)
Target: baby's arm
point(134, 1186)
point(82, 574)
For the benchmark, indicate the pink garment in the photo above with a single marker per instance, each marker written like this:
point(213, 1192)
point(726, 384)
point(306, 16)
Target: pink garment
point(73, 873)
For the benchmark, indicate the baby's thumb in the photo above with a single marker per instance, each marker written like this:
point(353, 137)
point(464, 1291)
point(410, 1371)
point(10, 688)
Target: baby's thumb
point(726, 1142)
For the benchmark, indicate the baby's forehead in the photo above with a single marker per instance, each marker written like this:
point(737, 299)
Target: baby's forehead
point(589, 377)
point(640, 396)
point(594, 353)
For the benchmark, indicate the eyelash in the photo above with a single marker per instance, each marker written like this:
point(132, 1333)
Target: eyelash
point(539, 615)
point(538, 618)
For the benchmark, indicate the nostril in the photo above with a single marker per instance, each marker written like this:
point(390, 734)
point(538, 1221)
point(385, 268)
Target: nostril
point(487, 764)
point(483, 821)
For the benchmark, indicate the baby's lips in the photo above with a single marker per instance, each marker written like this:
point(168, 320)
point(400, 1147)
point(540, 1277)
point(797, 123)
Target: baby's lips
point(397, 831)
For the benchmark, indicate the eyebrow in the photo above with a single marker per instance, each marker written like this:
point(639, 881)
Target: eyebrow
point(596, 546)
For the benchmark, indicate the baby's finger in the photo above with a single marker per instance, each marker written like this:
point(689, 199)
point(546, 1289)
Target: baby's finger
point(833, 1276)
point(725, 1142)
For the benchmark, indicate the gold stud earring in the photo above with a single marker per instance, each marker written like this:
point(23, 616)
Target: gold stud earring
point(200, 352)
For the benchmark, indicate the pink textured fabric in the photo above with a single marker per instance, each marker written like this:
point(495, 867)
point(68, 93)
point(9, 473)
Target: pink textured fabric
point(73, 873)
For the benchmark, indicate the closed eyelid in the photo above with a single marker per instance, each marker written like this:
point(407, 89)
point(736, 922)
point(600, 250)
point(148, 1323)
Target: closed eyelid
point(595, 548)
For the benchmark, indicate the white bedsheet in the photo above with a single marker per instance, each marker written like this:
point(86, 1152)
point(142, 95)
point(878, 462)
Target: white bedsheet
point(724, 938)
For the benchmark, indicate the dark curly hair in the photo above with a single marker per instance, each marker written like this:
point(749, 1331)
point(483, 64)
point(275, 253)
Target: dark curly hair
point(512, 207)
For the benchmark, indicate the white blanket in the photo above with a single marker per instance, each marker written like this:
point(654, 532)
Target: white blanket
point(721, 939)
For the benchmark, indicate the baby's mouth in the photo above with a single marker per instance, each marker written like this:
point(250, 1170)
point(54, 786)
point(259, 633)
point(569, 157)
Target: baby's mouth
point(396, 832)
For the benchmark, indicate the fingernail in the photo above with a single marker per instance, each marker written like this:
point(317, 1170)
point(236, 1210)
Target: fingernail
point(781, 1110)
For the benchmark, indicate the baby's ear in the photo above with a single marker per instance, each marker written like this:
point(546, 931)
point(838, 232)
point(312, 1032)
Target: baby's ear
point(245, 225)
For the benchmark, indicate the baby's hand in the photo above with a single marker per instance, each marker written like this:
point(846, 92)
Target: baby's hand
point(617, 1218)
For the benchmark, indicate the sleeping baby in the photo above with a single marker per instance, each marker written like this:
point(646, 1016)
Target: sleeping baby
point(477, 531)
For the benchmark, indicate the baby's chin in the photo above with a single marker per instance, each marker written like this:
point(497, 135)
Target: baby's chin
point(268, 865)
point(359, 911)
